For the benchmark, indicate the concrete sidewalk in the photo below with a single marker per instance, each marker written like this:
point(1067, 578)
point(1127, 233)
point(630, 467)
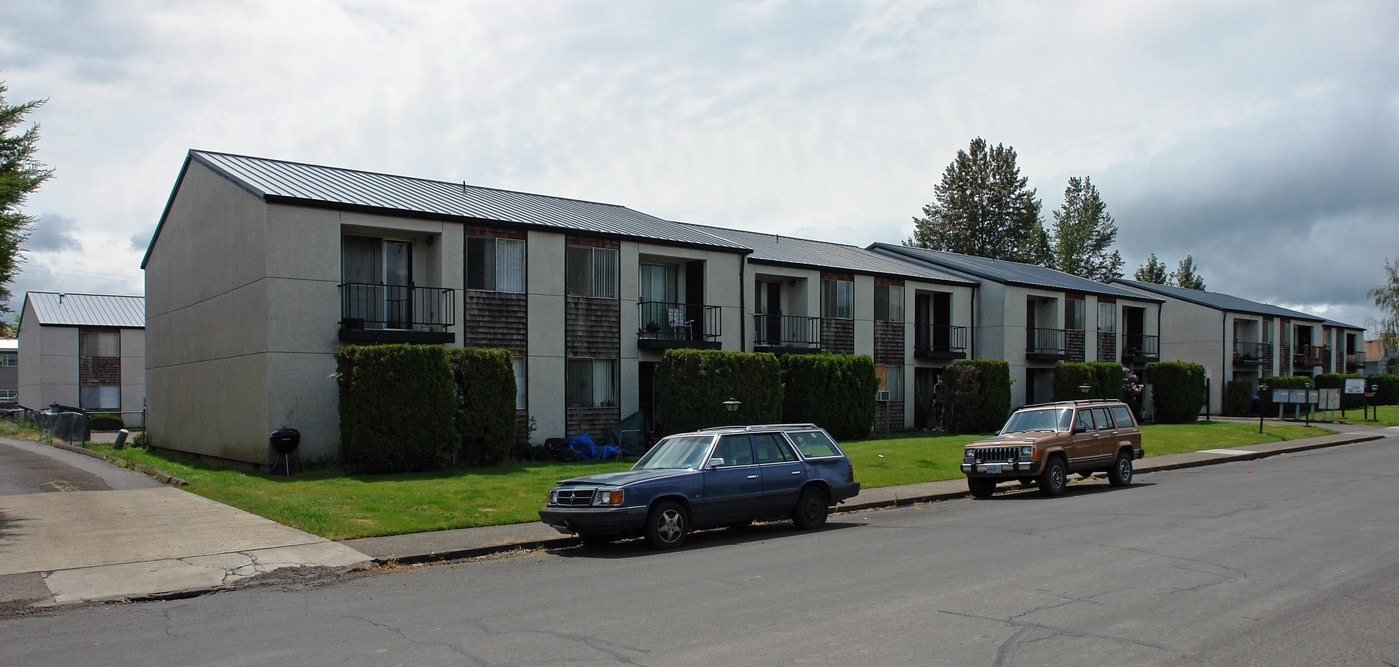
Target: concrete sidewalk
point(85, 546)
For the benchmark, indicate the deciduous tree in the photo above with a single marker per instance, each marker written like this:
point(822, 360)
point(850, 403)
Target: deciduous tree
point(1386, 297)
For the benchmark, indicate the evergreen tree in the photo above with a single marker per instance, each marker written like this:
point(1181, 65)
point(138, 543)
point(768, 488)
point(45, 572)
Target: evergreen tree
point(982, 207)
point(20, 174)
point(1185, 276)
point(1153, 271)
point(1083, 234)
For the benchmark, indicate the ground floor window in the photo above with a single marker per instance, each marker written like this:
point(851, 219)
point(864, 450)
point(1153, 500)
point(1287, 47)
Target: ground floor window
point(99, 397)
point(591, 383)
point(521, 396)
point(891, 381)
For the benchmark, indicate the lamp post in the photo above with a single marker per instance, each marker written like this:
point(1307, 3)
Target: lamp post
point(1307, 398)
point(1375, 390)
point(1085, 388)
point(732, 406)
point(1262, 391)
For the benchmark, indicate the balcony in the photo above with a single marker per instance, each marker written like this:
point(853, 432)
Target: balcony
point(1140, 349)
point(1252, 354)
point(371, 313)
point(1355, 360)
point(1044, 344)
point(1309, 355)
point(939, 341)
point(667, 325)
point(786, 333)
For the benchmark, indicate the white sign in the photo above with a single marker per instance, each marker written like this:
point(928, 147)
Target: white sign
point(1355, 385)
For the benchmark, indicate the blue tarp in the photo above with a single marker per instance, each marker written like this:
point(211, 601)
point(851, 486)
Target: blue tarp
point(584, 449)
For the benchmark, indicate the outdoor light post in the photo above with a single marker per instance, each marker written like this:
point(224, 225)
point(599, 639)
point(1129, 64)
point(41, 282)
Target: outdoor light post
point(1375, 389)
point(1262, 391)
point(732, 406)
point(1085, 388)
point(1307, 398)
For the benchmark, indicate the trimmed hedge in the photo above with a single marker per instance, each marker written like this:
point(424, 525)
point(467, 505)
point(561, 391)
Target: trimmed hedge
point(1389, 388)
point(692, 385)
point(1104, 379)
point(485, 389)
point(398, 408)
point(1178, 389)
point(105, 421)
point(1238, 397)
point(979, 395)
point(1337, 381)
point(833, 391)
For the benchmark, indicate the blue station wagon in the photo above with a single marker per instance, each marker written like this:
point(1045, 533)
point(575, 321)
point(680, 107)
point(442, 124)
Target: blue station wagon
point(726, 476)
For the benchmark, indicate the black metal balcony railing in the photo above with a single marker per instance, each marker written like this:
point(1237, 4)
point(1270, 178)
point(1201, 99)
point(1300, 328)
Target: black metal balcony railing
point(1044, 343)
point(1355, 360)
point(665, 324)
point(939, 341)
point(786, 331)
point(403, 313)
point(1141, 348)
point(1246, 352)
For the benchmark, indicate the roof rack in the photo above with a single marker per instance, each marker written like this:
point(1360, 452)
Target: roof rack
point(1076, 401)
point(755, 427)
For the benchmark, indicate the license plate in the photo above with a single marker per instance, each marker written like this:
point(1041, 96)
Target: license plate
point(993, 470)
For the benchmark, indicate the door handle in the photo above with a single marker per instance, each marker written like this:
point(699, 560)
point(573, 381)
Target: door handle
point(752, 477)
point(797, 473)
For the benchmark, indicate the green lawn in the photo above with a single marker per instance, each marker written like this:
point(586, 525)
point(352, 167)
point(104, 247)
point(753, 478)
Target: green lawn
point(337, 506)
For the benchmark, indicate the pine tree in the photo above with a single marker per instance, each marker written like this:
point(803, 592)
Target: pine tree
point(20, 174)
point(1083, 234)
point(982, 207)
point(1185, 275)
point(1153, 271)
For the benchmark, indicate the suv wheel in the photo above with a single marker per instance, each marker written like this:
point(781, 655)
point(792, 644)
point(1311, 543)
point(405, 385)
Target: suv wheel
point(667, 525)
point(981, 487)
point(1121, 472)
point(1055, 477)
point(811, 509)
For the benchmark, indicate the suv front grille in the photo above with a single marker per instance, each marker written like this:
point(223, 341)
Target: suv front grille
point(996, 454)
point(574, 497)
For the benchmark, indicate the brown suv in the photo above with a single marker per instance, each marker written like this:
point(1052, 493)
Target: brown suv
point(1046, 442)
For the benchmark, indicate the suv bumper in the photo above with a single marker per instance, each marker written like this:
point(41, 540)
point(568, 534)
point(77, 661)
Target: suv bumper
point(1013, 469)
point(594, 520)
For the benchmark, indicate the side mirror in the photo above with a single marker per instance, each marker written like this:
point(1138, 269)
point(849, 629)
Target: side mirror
point(716, 462)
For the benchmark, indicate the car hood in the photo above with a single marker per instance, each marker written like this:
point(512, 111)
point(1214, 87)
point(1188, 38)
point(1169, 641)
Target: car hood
point(627, 477)
point(1026, 438)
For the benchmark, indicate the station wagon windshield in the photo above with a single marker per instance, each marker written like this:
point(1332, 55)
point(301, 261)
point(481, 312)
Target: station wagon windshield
point(676, 453)
point(1049, 419)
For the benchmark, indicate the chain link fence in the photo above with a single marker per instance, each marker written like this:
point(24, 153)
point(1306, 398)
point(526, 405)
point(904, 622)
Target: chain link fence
point(60, 422)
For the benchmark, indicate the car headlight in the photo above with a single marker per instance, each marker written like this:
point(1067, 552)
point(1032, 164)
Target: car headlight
point(608, 497)
point(968, 456)
point(553, 496)
point(1027, 452)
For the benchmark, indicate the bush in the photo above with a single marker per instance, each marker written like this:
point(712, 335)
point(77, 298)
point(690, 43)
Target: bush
point(105, 421)
point(1238, 397)
point(485, 388)
point(1389, 388)
point(398, 408)
point(979, 391)
point(833, 391)
point(692, 385)
point(1178, 389)
point(1104, 379)
point(1337, 381)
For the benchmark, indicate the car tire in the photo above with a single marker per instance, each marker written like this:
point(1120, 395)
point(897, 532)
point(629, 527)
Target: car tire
point(667, 525)
point(1055, 477)
point(1121, 472)
point(981, 487)
point(811, 509)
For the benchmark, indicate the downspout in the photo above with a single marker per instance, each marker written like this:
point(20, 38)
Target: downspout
point(743, 303)
point(976, 289)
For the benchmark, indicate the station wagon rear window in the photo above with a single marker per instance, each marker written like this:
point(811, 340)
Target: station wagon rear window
point(814, 444)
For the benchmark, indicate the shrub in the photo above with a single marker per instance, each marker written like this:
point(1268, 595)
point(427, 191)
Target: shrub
point(692, 385)
point(1337, 381)
point(1238, 397)
point(397, 408)
point(1178, 389)
point(1104, 379)
point(833, 391)
point(105, 421)
point(979, 391)
point(485, 389)
point(1389, 388)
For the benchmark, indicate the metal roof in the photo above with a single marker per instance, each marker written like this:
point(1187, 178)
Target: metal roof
point(293, 182)
point(87, 310)
point(792, 251)
point(1011, 273)
point(1226, 302)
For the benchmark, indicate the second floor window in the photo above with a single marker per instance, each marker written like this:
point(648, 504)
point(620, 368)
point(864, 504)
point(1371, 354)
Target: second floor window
point(889, 303)
point(1074, 313)
point(9, 359)
point(1107, 317)
point(495, 264)
point(837, 297)
point(99, 344)
point(591, 271)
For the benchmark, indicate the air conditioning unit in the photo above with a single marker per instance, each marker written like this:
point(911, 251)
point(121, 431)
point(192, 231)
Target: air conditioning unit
point(881, 395)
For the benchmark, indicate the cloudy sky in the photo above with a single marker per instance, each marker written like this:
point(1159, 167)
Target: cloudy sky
point(1261, 138)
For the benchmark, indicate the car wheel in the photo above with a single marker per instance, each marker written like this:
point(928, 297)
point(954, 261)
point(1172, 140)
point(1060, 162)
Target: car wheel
point(667, 525)
point(1121, 473)
point(811, 509)
point(981, 487)
point(1055, 477)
